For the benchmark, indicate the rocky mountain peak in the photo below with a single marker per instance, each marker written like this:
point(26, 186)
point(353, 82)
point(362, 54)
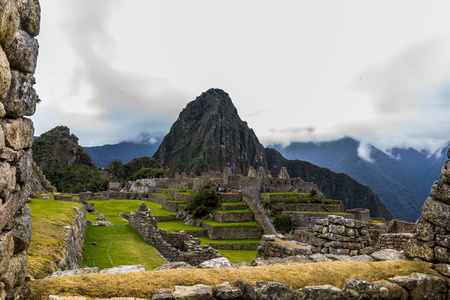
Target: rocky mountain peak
point(210, 135)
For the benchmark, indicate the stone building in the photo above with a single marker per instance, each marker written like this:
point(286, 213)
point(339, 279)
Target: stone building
point(19, 24)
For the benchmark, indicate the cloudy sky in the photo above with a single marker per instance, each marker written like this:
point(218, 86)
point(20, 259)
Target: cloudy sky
point(378, 71)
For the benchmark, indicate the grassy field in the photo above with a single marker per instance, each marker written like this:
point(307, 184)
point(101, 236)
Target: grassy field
point(112, 208)
point(47, 241)
point(126, 247)
point(218, 224)
point(142, 285)
point(237, 256)
point(178, 226)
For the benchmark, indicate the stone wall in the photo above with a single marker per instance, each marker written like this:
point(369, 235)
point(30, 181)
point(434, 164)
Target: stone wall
point(307, 220)
point(74, 242)
point(276, 246)
point(340, 236)
point(396, 241)
point(361, 214)
point(431, 241)
point(145, 224)
point(236, 232)
point(19, 24)
point(398, 226)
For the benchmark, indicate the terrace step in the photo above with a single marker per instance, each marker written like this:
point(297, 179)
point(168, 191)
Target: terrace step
point(173, 205)
point(234, 230)
point(243, 215)
point(232, 206)
point(230, 197)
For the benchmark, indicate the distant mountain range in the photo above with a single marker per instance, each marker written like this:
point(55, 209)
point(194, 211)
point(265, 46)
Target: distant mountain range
point(402, 179)
point(123, 151)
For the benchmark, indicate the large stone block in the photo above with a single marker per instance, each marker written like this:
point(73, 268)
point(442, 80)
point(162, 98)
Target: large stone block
point(30, 16)
point(22, 229)
point(415, 248)
point(440, 191)
point(23, 51)
point(18, 133)
point(424, 230)
point(9, 22)
point(443, 240)
point(24, 167)
point(445, 172)
point(428, 287)
point(7, 177)
point(436, 213)
point(12, 203)
point(319, 292)
point(5, 77)
point(15, 272)
point(6, 249)
point(441, 254)
point(21, 98)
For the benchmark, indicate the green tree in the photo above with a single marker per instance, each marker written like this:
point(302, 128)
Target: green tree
point(201, 203)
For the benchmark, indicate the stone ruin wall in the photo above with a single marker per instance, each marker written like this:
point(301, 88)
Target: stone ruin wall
point(431, 240)
point(146, 225)
point(19, 24)
point(340, 236)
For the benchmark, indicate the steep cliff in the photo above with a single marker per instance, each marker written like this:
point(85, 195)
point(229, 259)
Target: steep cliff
point(65, 164)
point(19, 24)
point(210, 135)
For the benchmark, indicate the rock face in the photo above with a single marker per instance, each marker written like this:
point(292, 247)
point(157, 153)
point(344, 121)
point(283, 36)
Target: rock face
point(19, 24)
point(431, 240)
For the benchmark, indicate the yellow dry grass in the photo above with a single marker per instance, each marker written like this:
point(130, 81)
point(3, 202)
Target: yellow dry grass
point(289, 244)
point(143, 284)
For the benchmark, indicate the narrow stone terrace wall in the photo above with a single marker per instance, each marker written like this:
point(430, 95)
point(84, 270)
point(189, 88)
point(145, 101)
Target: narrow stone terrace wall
point(74, 242)
point(19, 24)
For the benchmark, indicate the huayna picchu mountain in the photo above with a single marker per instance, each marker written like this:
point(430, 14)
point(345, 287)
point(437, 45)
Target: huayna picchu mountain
point(210, 135)
point(65, 164)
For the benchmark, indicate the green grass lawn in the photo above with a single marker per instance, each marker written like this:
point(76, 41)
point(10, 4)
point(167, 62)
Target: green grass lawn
point(47, 241)
point(232, 203)
point(163, 195)
point(237, 256)
point(246, 210)
point(206, 240)
point(218, 224)
point(178, 226)
point(111, 208)
point(127, 248)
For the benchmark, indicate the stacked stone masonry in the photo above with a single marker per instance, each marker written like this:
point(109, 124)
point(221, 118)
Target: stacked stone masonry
point(431, 240)
point(173, 247)
point(74, 242)
point(340, 236)
point(276, 246)
point(19, 25)
point(416, 286)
